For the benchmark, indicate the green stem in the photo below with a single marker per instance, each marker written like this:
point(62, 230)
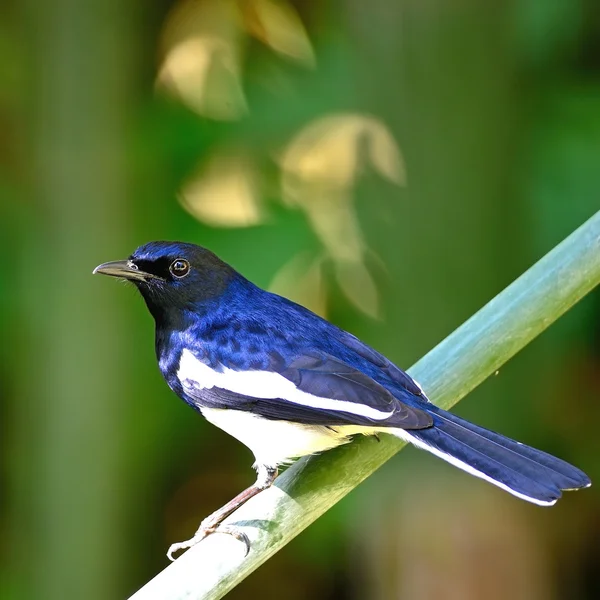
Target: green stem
point(452, 369)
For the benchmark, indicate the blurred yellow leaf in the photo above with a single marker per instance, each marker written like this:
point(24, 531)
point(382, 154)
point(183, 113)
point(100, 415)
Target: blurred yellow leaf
point(319, 170)
point(358, 286)
point(223, 192)
point(328, 151)
point(277, 24)
point(301, 279)
point(202, 58)
point(333, 219)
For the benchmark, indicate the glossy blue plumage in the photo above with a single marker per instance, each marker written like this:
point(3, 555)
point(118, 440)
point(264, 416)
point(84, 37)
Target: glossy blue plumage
point(251, 329)
point(230, 327)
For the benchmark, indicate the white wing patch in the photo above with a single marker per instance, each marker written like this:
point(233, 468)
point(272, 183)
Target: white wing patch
point(264, 384)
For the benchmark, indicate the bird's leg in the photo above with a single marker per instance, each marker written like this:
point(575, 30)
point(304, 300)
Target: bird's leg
point(265, 478)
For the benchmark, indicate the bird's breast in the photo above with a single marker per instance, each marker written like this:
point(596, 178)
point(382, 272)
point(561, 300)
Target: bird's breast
point(276, 442)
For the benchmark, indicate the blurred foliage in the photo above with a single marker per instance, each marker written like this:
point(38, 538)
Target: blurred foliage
point(403, 161)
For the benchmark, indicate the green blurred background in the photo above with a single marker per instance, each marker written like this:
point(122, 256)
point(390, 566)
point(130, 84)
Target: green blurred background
point(393, 165)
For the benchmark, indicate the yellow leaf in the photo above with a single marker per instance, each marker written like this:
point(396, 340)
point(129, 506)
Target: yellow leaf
point(277, 25)
point(202, 58)
point(301, 280)
point(358, 286)
point(223, 193)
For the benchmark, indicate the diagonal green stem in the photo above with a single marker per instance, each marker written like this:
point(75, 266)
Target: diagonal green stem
point(450, 371)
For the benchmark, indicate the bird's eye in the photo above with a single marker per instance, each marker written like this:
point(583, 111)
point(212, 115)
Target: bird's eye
point(179, 268)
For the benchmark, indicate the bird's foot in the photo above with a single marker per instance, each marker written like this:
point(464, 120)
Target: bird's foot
point(205, 531)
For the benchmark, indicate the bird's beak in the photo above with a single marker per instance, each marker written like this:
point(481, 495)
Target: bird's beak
point(123, 268)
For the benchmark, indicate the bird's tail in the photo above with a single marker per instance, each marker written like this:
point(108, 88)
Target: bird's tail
point(523, 471)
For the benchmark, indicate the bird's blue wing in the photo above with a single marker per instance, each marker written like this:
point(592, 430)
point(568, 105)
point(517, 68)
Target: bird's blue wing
point(382, 365)
point(331, 378)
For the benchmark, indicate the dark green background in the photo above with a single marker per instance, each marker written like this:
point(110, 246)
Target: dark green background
point(496, 110)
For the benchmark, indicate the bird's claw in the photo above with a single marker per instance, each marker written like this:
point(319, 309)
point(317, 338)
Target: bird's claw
point(237, 534)
point(205, 532)
point(181, 546)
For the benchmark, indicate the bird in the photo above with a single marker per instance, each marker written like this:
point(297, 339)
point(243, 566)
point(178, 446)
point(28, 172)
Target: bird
point(287, 383)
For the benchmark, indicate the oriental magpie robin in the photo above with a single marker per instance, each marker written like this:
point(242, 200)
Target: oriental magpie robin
point(287, 383)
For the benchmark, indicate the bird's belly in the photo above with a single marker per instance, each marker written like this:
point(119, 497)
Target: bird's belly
point(275, 442)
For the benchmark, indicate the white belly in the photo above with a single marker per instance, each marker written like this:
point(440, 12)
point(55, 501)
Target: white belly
point(276, 442)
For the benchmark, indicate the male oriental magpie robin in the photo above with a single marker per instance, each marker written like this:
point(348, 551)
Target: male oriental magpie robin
point(286, 383)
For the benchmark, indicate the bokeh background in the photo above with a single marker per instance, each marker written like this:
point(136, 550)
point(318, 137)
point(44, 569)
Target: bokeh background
point(392, 165)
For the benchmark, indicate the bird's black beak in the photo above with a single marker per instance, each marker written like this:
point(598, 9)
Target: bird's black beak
point(126, 269)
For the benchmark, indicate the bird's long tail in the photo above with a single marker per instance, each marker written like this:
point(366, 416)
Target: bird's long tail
point(523, 471)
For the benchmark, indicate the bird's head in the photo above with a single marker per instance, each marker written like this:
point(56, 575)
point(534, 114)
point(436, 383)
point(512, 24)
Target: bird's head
point(172, 276)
